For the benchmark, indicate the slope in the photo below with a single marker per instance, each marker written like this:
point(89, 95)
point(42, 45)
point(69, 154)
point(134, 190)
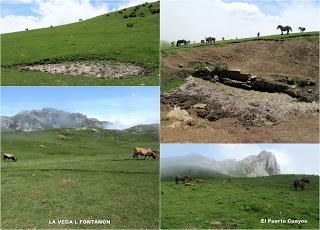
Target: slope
point(105, 37)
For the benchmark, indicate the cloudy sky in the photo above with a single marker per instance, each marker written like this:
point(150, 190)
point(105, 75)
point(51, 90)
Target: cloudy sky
point(126, 106)
point(195, 19)
point(16, 15)
point(292, 158)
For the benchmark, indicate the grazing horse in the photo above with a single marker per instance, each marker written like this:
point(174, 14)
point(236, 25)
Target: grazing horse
point(300, 183)
point(180, 42)
point(146, 152)
point(10, 156)
point(182, 178)
point(172, 43)
point(209, 40)
point(302, 29)
point(284, 28)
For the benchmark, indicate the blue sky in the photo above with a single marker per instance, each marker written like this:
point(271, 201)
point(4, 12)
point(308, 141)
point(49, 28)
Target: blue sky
point(194, 20)
point(293, 158)
point(126, 106)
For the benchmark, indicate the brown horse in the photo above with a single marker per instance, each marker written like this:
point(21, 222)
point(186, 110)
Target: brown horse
point(183, 179)
point(300, 183)
point(284, 28)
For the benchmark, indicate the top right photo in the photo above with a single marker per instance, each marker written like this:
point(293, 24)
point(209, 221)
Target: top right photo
point(239, 71)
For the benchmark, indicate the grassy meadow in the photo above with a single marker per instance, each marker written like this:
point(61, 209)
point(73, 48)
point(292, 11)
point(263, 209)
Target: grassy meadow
point(240, 203)
point(75, 174)
point(105, 37)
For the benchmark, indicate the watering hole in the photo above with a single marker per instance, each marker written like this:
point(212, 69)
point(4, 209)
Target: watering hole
point(98, 69)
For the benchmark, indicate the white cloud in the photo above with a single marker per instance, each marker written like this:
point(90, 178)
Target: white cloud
point(193, 20)
point(56, 12)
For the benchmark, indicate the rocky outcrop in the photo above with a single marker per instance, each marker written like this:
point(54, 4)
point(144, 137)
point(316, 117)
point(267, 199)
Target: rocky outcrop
point(263, 164)
point(48, 118)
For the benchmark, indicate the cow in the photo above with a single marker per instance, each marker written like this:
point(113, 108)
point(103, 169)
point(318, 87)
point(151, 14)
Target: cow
point(302, 29)
point(146, 152)
point(10, 156)
point(300, 183)
point(182, 178)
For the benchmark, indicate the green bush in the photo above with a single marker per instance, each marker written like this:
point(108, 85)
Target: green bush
point(219, 69)
point(302, 82)
point(125, 16)
point(155, 11)
point(132, 15)
point(199, 70)
point(129, 24)
point(142, 14)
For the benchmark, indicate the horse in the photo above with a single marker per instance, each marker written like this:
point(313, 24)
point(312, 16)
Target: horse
point(182, 41)
point(172, 43)
point(202, 42)
point(146, 152)
point(302, 29)
point(209, 40)
point(183, 179)
point(258, 34)
point(284, 28)
point(10, 156)
point(300, 183)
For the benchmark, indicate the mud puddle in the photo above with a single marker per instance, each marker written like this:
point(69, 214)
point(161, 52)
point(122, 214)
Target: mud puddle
point(98, 69)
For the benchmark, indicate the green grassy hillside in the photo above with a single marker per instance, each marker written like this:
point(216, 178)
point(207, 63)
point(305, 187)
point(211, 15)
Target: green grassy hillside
point(79, 174)
point(314, 35)
point(105, 37)
point(240, 203)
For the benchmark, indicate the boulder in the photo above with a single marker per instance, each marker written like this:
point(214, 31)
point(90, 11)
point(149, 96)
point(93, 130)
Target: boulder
point(181, 115)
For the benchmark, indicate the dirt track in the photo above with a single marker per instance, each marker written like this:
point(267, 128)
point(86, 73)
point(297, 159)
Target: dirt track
point(245, 116)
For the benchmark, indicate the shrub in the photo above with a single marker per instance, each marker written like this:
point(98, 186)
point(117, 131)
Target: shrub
point(302, 82)
point(132, 15)
point(219, 69)
point(142, 14)
point(120, 12)
point(129, 24)
point(199, 70)
point(150, 6)
point(155, 11)
point(125, 16)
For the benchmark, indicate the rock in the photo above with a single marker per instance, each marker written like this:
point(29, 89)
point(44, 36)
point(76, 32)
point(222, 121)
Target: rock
point(215, 222)
point(200, 106)
point(180, 65)
point(174, 125)
point(44, 201)
point(202, 112)
point(309, 90)
point(188, 184)
point(181, 115)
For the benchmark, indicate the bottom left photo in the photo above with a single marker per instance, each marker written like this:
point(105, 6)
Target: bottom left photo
point(80, 157)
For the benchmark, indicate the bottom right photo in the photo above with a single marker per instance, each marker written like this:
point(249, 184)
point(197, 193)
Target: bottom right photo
point(239, 186)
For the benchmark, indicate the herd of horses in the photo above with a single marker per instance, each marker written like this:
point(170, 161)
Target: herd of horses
point(210, 40)
point(186, 179)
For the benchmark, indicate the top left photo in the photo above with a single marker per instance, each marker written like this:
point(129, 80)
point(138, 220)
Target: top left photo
point(80, 42)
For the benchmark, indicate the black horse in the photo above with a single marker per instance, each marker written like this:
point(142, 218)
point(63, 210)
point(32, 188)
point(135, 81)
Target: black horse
point(300, 183)
point(183, 179)
point(180, 42)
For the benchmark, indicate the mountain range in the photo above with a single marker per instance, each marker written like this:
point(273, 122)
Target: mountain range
point(49, 118)
point(263, 164)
